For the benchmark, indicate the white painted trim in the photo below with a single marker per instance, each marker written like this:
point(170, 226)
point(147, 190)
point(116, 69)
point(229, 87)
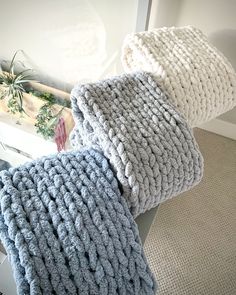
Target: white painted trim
point(220, 127)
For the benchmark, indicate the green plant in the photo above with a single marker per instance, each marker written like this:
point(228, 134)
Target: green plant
point(13, 87)
point(47, 120)
point(15, 84)
point(50, 98)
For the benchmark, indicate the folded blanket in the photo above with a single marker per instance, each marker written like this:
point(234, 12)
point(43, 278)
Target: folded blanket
point(148, 143)
point(68, 230)
point(198, 79)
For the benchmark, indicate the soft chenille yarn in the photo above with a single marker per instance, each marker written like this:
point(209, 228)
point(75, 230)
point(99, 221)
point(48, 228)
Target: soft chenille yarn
point(198, 79)
point(68, 230)
point(148, 143)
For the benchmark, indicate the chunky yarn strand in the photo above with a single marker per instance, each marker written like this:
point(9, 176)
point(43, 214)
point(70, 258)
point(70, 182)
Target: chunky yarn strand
point(68, 230)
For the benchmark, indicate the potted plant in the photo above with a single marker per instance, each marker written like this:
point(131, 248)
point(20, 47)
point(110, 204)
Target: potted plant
point(28, 100)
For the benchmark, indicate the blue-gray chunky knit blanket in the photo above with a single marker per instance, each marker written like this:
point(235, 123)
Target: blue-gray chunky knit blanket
point(68, 230)
point(150, 145)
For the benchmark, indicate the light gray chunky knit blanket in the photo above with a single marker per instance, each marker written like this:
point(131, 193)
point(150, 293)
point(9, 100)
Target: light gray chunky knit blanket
point(149, 144)
point(68, 230)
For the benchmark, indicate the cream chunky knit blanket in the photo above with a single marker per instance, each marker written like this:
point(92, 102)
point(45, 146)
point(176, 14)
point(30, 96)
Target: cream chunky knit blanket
point(147, 141)
point(198, 79)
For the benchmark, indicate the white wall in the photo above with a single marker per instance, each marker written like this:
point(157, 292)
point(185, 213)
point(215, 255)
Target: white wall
point(216, 18)
point(69, 41)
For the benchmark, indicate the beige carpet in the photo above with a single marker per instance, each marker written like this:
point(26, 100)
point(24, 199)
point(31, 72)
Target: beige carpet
point(191, 246)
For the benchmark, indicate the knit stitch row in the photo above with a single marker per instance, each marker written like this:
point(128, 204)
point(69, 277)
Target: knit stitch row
point(68, 230)
point(149, 144)
point(196, 76)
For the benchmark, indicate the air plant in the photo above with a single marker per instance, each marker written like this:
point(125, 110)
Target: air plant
point(13, 87)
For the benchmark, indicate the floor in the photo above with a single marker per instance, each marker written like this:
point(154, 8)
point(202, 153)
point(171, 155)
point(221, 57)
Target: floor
point(191, 246)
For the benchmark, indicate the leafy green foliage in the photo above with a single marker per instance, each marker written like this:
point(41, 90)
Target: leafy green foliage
point(14, 85)
point(13, 106)
point(47, 120)
point(50, 98)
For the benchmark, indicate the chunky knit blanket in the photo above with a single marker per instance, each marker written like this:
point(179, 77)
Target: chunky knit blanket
point(149, 144)
point(198, 79)
point(68, 230)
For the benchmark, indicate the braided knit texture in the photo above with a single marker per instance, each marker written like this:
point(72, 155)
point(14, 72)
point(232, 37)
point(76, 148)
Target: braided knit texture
point(198, 79)
point(68, 230)
point(148, 143)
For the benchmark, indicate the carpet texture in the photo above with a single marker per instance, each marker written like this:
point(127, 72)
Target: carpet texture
point(191, 246)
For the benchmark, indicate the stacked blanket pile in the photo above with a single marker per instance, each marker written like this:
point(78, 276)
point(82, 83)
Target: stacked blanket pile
point(67, 220)
point(198, 79)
